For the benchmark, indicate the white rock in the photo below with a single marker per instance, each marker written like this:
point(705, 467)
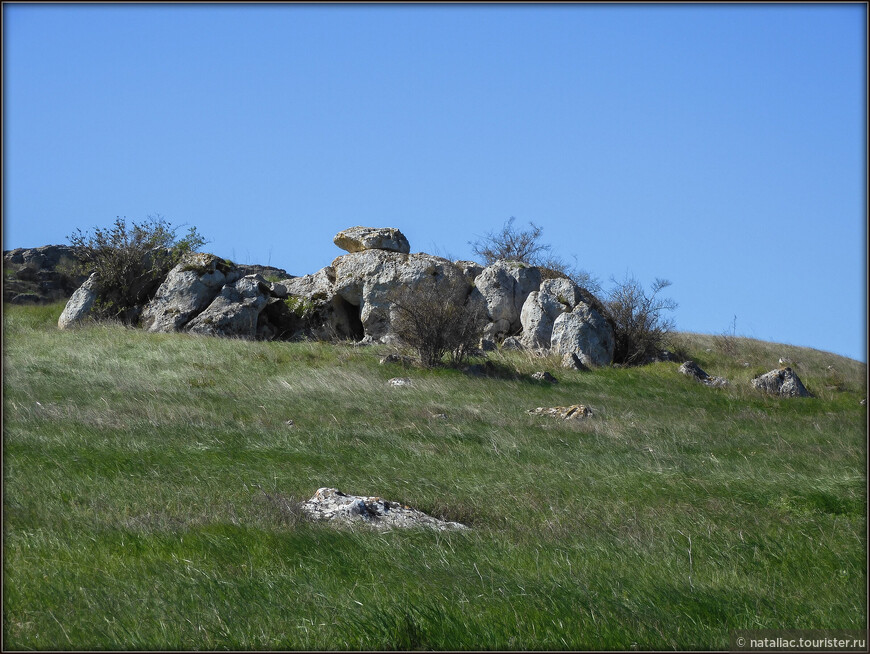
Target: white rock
point(542, 307)
point(331, 505)
point(189, 288)
point(367, 279)
point(79, 306)
point(234, 312)
point(358, 239)
point(586, 333)
point(504, 286)
point(784, 383)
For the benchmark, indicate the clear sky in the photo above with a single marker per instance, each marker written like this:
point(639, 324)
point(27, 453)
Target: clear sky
point(722, 147)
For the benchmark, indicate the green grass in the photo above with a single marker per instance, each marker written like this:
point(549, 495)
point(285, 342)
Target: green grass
point(151, 484)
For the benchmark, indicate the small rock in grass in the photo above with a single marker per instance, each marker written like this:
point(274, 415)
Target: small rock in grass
point(573, 412)
point(544, 376)
point(400, 381)
point(331, 505)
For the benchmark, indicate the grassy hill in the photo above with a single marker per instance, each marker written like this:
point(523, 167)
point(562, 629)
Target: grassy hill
point(151, 486)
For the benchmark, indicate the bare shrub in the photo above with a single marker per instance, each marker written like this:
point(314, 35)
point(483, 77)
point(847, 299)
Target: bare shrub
point(640, 329)
point(130, 261)
point(513, 244)
point(431, 320)
point(726, 342)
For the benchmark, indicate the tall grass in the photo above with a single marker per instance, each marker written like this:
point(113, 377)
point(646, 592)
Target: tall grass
point(151, 485)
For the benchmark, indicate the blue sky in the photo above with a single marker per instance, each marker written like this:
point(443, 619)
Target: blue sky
point(722, 147)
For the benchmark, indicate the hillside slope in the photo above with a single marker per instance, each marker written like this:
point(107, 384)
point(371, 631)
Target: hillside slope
point(152, 484)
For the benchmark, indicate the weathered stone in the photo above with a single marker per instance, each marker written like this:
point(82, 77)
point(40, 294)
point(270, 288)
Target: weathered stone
point(235, 311)
point(469, 269)
point(358, 239)
point(586, 333)
point(368, 279)
point(45, 257)
point(542, 307)
point(333, 506)
point(324, 314)
point(693, 370)
point(544, 376)
point(573, 412)
point(783, 382)
point(188, 289)
point(400, 381)
point(80, 304)
point(504, 287)
point(33, 275)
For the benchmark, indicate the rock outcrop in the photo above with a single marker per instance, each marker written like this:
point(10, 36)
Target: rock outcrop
point(40, 275)
point(332, 506)
point(354, 298)
point(783, 382)
point(359, 239)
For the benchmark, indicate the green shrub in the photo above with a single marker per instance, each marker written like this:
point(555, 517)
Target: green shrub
point(130, 261)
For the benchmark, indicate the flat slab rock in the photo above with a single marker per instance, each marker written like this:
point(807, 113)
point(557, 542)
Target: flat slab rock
point(573, 412)
point(331, 505)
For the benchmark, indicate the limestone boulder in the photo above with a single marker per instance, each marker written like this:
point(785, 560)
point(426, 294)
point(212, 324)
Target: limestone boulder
point(359, 239)
point(504, 286)
point(542, 307)
point(368, 279)
point(783, 382)
point(586, 333)
point(235, 311)
point(189, 288)
point(80, 304)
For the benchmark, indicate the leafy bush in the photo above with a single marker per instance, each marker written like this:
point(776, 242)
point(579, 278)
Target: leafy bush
point(130, 261)
point(639, 328)
point(430, 320)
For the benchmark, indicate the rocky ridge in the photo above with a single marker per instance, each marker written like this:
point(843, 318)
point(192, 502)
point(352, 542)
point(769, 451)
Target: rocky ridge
point(350, 299)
